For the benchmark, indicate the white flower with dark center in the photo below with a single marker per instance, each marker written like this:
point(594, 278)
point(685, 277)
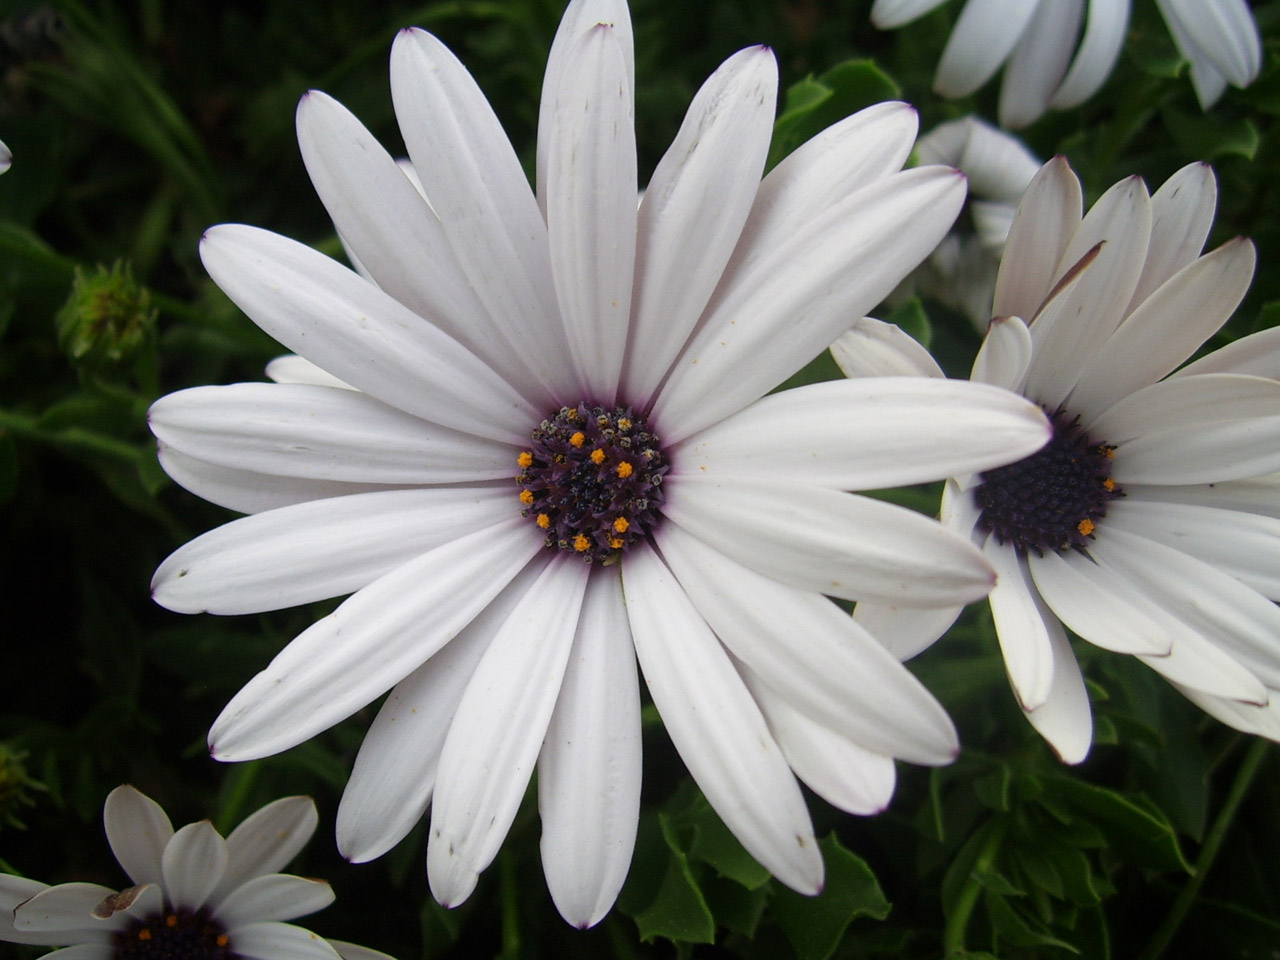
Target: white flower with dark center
point(1057, 53)
point(534, 449)
point(195, 896)
point(1150, 523)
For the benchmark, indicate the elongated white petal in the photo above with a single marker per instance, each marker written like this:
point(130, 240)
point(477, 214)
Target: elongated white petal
point(67, 910)
point(1105, 28)
point(873, 348)
point(839, 544)
point(396, 236)
point(1223, 32)
point(1039, 62)
point(888, 14)
point(985, 33)
point(1022, 627)
point(998, 165)
point(493, 741)
point(591, 206)
point(716, 726)
point(475, 184)
point(247, 492)
point(902, 630)
point(328, 672)
point(137, 829)
point(1249, 717)
point(319, 433)
point(280, 941)
point(1082, 595)
point(265, 841)
point(1005, 355)
point(325, 548)
point(350, 328)
point(1257, 495)
point(1257, 355)
point(82, 951)
point(800, 297)
point(1189, 402)
point(694, 210)
point(394, 773)
point(813, 654)
point(1064, 719)
point(353, 951)
point(1181, 214)
point(13, 891)
point(193, 863)
point(1203, 452)
point(867, 433)
point(589, 770)
point(840, 770)
point(1047, 218)
point(291, 368)
point(274, 896)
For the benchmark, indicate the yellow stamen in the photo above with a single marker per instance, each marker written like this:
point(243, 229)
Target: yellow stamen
point(581, 543)
point(1085, 526)
point(616, 543)
point(223, 939)
point(543, 521)
point(625, 470)
point(144, 934)
point(578, 439)
point(620, 525)
point(171, 920)
point(1108, 484)
point(525, 460)
point(624, 424)
point(526, 497)
point(597, 457)
point(1109, 452)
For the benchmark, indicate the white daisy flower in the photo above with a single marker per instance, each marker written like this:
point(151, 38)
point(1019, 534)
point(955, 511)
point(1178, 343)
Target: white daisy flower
point(611, 360)
point(193, 895)
point(1050, 62)
point(1150, 524)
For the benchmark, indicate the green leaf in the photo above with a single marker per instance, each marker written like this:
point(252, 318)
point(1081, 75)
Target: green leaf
point(8, 468)
point(1017, 928)
point(1210, 136)
point(815, 925)
point(993, 788)
point(814, 104)
point(714, 844)
point(1139, 834)
point(673, 907)
point(913, 319)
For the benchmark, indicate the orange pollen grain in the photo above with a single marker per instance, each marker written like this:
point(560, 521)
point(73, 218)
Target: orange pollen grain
point(526, 497)
point(223, 939)
point(543, 521)
point(597, 456)
point(625, 470)
point(581, 543)
point(578, 439)
point(1108, 484)
point(624, 424)
point(620, 525)
point(1109, 452)
point(616, 543)
point(1085, 526)
point(171, 920)
point(144, 934)
point(525, 460)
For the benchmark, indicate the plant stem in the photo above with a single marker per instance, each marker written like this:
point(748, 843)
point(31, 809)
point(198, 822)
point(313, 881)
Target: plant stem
point(958, 921)
point(70, 438)
point(1212, 843)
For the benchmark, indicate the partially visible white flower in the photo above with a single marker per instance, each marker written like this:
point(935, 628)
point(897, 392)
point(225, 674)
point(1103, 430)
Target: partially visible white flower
point(1049, 62)
point(961, 272)
point(192, 894)
point(1150, 524)
point(6, 158)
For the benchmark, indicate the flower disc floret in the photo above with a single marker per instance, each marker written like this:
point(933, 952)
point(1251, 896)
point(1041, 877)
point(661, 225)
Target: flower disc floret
point(175, 935)
point(1052, 500)
point(592, 479)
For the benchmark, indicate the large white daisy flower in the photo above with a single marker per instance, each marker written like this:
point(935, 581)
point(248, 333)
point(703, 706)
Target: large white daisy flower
point(612, 360)
point(1150, 524)
point(1049, 62)
point(194, 894)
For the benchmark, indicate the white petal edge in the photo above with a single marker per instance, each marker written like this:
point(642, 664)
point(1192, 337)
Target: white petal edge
point(137, 829)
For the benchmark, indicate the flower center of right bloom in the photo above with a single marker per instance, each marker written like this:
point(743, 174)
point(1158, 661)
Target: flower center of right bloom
point(1054, 498)
point(592, 480)
point(174, 935)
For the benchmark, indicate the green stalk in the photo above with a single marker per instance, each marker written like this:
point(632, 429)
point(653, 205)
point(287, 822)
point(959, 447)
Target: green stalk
point(71, 438)
point(958, 921)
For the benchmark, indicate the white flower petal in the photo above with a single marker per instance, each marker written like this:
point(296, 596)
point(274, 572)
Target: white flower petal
point(902, 630)
point(812, 654)
point(395, 236)
point(867, 434)
point(839, 770)
point(193, 863)
point(1004, 357)
point(716, 726)
point(873, 348)
point(694, 210)
point(353, 951)
point(475, 184)
point(985, 33)
point(274, 896)
point(280, 941)
point(350, 328)
point(589, 770)
point(1167, 327)
point(1181, 215)
point(321, 549)
point(999, 166)
point(265, 841)
point(1189, 402)
point(319, 433)
point(835, 543)
point(1258, 495)
point(327, 672)
point(67, 910)
point(1024, 627)
point(1039, 62)
point(799, 298)
point(1222, 32)
point(494, 737)
point(1047, 218)
point(888, 14)
point(395, 771)
point(82, 951)
point(1064, 719)
point(291, 368)
point(591, 206)
point(1105, 29)
point(1249, 717)
point(137, 830)
point(1257, 355)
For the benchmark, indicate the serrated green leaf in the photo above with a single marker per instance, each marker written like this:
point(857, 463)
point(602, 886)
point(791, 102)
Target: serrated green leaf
point(714, 844)
point(734, 906)
point(815, 925)
point(662, 894)
point(1138, 833)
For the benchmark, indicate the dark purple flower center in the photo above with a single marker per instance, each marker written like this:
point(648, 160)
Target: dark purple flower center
point(592, 480)
point(174, 935)
point(1054, 498)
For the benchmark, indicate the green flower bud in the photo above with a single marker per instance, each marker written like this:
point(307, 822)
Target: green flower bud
point(108, 320)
